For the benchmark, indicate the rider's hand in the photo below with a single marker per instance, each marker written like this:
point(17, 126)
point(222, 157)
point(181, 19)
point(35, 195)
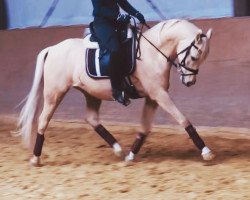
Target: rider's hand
point(123, 18)
point(140, 17)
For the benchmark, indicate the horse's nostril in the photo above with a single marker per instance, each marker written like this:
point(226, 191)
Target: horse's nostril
point(188, 84)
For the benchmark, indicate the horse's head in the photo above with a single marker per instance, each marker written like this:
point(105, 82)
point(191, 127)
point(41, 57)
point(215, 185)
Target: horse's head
point(191, 52)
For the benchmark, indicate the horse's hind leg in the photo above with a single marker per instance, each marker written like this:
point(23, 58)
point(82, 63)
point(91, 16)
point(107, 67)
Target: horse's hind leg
point(51, 100)
point(92, 117)
point(148, 113)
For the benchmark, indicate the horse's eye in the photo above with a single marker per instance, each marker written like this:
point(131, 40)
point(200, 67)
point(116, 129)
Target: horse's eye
point(193, 58)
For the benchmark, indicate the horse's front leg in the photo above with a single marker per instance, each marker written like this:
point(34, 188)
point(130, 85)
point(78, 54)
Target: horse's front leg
point(163, 99)
point(148, 113)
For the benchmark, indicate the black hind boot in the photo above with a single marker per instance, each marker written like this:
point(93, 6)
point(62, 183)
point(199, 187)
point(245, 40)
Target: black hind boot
point(116, 78)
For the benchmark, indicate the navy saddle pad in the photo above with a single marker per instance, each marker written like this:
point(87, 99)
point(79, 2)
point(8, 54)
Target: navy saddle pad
point(97, 61)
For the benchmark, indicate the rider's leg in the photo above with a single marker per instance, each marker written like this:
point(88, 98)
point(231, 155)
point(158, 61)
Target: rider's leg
point(116, 78)
point(108, 38)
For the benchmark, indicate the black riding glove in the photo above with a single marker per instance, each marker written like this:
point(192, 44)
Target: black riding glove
point(123, 18)
point(140, 17)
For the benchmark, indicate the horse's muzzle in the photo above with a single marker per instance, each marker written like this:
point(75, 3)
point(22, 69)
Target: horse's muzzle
point(188, 84)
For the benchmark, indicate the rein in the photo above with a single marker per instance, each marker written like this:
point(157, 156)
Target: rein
point(179, 65)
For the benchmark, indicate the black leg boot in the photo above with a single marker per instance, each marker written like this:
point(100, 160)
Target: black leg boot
point(116, 77)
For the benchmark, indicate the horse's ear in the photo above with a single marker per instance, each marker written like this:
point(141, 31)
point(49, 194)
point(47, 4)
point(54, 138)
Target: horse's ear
point(198, 36)
point(209, 33)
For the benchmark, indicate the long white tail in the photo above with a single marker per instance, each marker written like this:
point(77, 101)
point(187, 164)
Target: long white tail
point(29, 113)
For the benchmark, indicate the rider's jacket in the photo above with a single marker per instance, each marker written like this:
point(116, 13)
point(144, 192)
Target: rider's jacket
point(109, 9)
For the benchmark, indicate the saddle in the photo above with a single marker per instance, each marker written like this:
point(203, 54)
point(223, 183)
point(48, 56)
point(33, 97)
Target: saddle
point(97, 59)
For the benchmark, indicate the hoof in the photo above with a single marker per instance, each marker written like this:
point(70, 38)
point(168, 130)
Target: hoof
point(117, 150)
point(127, 159)
point(125, 163)
point(119, 154)
point(130, 157)
point(35, 161)
point(128, 163)
point(208, 156)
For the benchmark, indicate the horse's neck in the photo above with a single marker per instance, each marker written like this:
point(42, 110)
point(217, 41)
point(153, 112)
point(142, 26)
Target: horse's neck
point(162, 43)
point(153, 64)
point(163, 38)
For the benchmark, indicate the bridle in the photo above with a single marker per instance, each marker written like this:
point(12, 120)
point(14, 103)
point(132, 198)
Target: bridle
point(180, 65)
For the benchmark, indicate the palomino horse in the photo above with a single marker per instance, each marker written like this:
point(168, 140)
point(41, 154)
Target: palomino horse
point(62, 67)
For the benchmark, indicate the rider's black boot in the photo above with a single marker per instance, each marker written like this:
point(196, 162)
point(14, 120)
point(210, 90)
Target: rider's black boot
point(120, 97)
point(116, 78)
